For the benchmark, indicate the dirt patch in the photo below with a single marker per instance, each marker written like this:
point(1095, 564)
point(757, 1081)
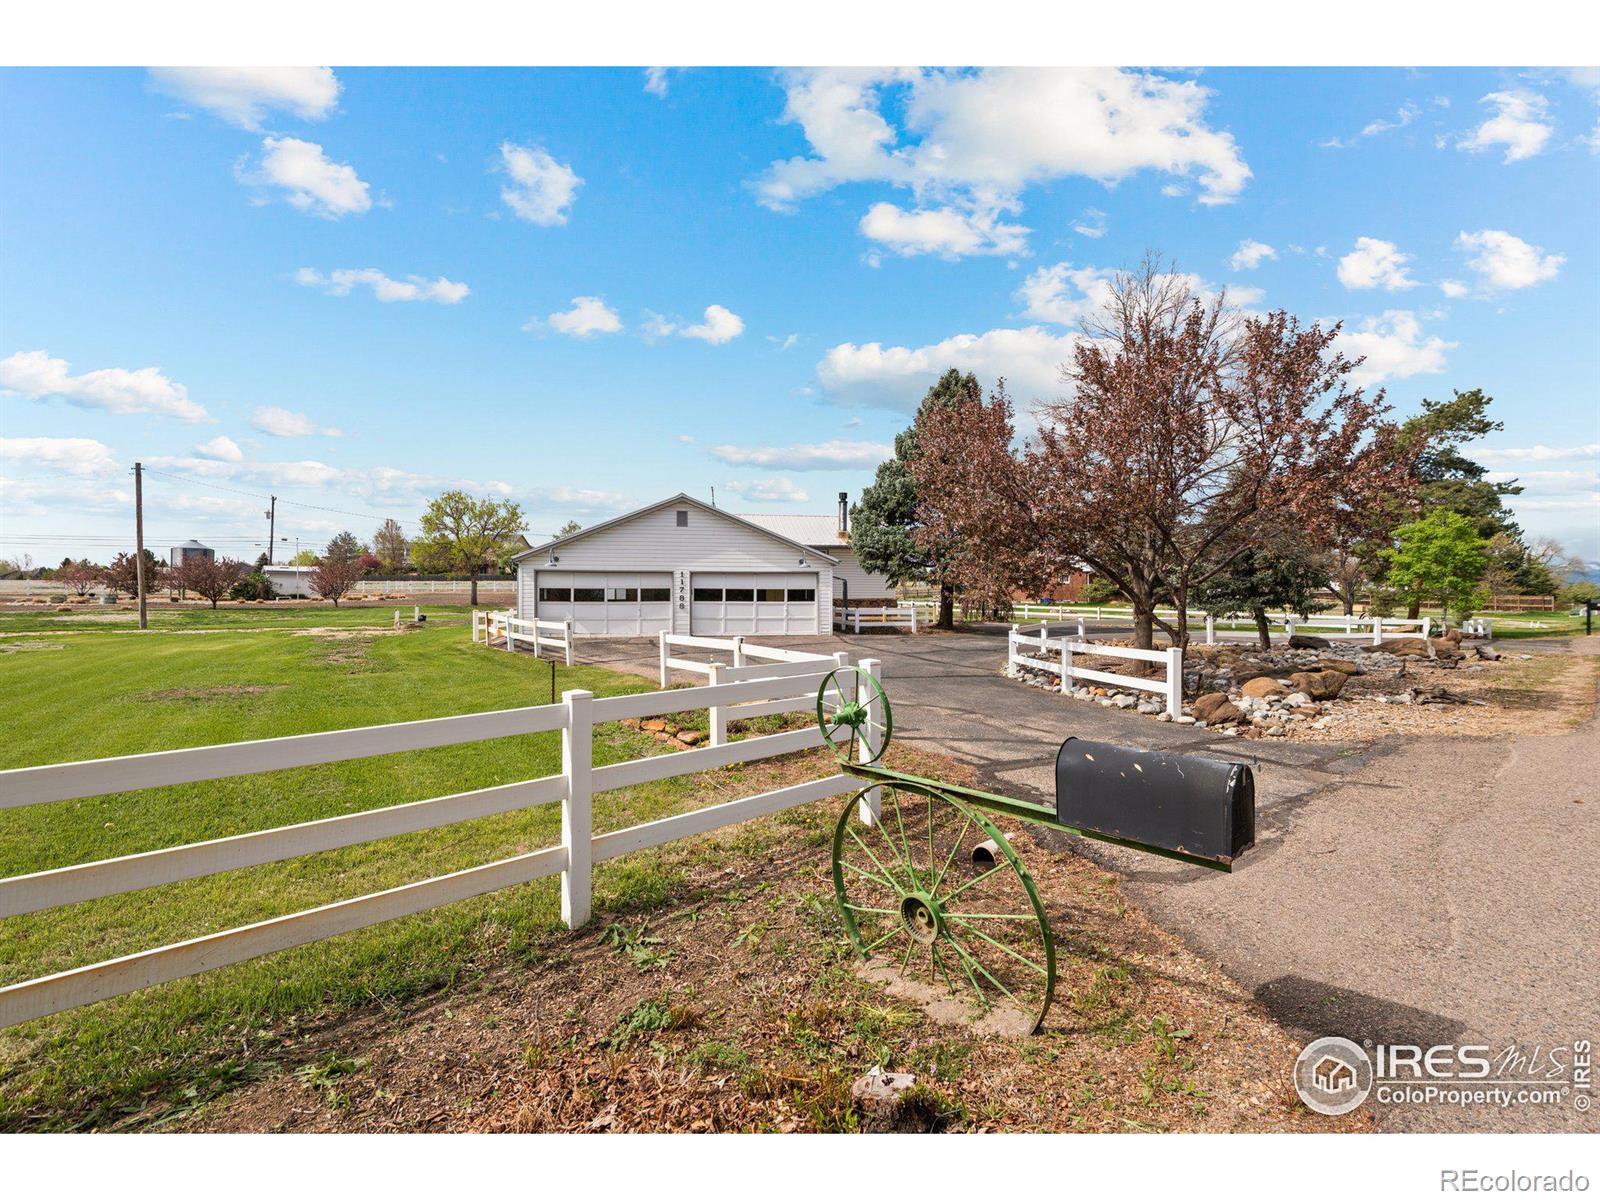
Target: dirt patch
point(23, 647)
point(229, 692)
point(732, 1002)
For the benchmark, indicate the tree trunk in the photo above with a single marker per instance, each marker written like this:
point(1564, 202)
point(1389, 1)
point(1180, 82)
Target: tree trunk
point(474, 589)
point(947, 605)
point(1415, 610)
point(1263, 630)
point(1143, 625)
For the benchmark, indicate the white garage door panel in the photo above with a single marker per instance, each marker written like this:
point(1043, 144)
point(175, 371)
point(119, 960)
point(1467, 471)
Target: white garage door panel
point(768, 603)
point(607, 603)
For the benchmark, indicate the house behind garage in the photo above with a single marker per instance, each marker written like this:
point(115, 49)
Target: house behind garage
point(685, 567)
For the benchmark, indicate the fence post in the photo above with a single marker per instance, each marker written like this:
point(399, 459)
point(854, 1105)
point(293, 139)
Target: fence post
point(1066, 666)
point(510, 648)
point(1427, 625)
point(567, 631)
point(1175, 682)
point(913, 618)
point(1289, 623)
point(738, 655)
point(1377, 631)
point(1011, 646)
point(872, 803)
point(662, 639)
point(716, 715)
point(397, 618)
point(1211, 629)
point(416, 612)
point(577, 762)
point(858, 620)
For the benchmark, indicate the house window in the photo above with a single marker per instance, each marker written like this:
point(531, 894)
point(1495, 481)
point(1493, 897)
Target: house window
point(556, 595)
point(627, 594)
point(588, 595)
point(683, 517)
point(808, 595)
point(701, 594)
point(771, 595)
point(656, 595)
point(741, 595)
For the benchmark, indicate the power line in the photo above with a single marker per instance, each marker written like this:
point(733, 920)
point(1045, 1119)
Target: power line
point(344, 512)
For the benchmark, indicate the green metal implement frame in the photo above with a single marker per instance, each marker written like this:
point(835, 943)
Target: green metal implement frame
point(915, 901)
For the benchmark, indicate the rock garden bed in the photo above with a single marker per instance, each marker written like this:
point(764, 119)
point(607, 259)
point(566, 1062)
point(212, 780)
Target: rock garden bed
point(1315, 690)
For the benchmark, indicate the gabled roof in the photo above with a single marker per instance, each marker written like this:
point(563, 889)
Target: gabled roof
point(682, 498)
point(811, 528)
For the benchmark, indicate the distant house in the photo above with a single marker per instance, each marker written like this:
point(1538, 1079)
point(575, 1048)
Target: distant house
point(289, 582)
point(683, 566)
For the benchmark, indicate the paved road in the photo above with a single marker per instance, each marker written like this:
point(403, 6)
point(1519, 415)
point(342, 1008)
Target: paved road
point(1439, 891)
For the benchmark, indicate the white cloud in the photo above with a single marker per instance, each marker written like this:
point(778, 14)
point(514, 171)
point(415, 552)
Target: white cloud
point(1453, 288)
point(243, 96)
point(1507, 262)
point(1518, 124)
point(342, 281)
point(588, 316)
point(898, 376)
point(578, 499)
point(816, 456)
point(1538, 453)
point(280, 422)
point(1549, 483)
point(719, 326)
point(83, 457)
point(1064, 294)
point(949, 232)
point(313, 182)
point(1250, 255)
point(783, 343)
point(778, 491)
point(221, 448)
point(973, 141)
point(1092, 224)
point(35, 375)
point(1394, 348)
point(541, 189)
point(1407, 113)
point(655, 80)
point(1375, 263)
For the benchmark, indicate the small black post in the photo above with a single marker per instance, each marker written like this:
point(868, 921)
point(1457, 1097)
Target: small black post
point(552, 681)
point(1588, 617)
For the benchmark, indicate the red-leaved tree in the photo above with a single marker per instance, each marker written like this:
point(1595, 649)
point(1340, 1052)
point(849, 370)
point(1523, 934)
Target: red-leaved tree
point(334, 577)
point(211, 578)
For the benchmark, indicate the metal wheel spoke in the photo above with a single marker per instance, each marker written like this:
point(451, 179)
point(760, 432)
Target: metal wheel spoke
point(1001, 946)
point(996, 869)
point(898, 929)
point(865, 874)
point(955, 846)
point(962, 950)
point(874, 858)
point(949, 983)
point(887, 912)
point(993, 916)
point(899, 821)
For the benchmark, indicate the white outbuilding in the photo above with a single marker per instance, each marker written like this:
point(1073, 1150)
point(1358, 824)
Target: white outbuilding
point(680, 566)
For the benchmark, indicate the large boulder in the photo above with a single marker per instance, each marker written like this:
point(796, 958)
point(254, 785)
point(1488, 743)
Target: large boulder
point(1215, 708)
point(1342, 665)
point(1308, 641)
point(1319, 685)
point(1406, 647)
point(1453, 635)
point(1261, 687)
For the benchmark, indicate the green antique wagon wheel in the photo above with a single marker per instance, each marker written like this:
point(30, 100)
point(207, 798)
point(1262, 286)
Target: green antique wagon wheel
point(911, 891)
point(844, 716)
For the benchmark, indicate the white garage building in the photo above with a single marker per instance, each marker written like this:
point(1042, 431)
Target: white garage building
point(684, 567)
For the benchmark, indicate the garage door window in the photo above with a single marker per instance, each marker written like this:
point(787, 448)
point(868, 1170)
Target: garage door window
point(770, 595)
point(655, 595)
point(631, 595)
point(558, 595)
point(741, 595)
point(808, 595)
point(588, 595)
point(708, 594)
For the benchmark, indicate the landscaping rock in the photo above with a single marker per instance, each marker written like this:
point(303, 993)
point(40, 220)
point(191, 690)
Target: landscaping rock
point(1342, 665)
point(1409, 647)
point(1319, 685)
point(1308, 641)
point(691, 737)
point(654, 725)
point(1261, 687)
point(1125, 702)
point(1215, 708)
point(1487, 653)
point(1446, 649)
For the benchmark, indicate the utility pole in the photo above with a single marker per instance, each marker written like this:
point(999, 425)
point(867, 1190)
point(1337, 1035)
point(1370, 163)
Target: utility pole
point(272, 527)
point(138, 539)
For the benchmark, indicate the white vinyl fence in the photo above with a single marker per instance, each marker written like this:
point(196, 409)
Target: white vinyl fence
point(1232, 625)
point(902, 616)
point(511, 631)
point(1022, 645)
point(740, 653)
point(428, 587)
point(574, 789)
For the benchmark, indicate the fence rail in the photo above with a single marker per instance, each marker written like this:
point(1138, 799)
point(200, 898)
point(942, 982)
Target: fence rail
point(1170, 686)
point(740, 653)
point(902, 616)
point(510, 630)
point(764, 688)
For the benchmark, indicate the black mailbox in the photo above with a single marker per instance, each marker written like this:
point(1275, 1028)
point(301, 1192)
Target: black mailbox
point(1203, 807)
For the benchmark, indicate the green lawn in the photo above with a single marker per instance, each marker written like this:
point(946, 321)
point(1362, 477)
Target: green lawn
point(253, 616)
point(98, 693)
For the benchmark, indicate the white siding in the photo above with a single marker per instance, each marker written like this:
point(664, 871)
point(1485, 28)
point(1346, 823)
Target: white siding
point(863, 584)
point(652, 541)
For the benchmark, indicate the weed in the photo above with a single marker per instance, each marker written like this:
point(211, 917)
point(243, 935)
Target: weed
point(637, 946)
point(648, 1016)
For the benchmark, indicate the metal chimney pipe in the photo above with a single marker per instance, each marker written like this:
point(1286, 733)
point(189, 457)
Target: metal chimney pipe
point(844, 513)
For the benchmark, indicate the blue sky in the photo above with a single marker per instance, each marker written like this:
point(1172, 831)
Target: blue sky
point(588, 289)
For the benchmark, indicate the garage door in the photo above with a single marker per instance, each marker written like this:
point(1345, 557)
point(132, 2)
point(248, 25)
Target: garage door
point(607, 603)
point(749, 603)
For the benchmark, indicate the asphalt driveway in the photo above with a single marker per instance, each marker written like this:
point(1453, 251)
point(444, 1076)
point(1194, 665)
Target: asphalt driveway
point(1431, 891)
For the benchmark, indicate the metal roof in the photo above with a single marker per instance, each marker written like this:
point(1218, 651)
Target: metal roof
point(813, 530)
point(680, 498)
